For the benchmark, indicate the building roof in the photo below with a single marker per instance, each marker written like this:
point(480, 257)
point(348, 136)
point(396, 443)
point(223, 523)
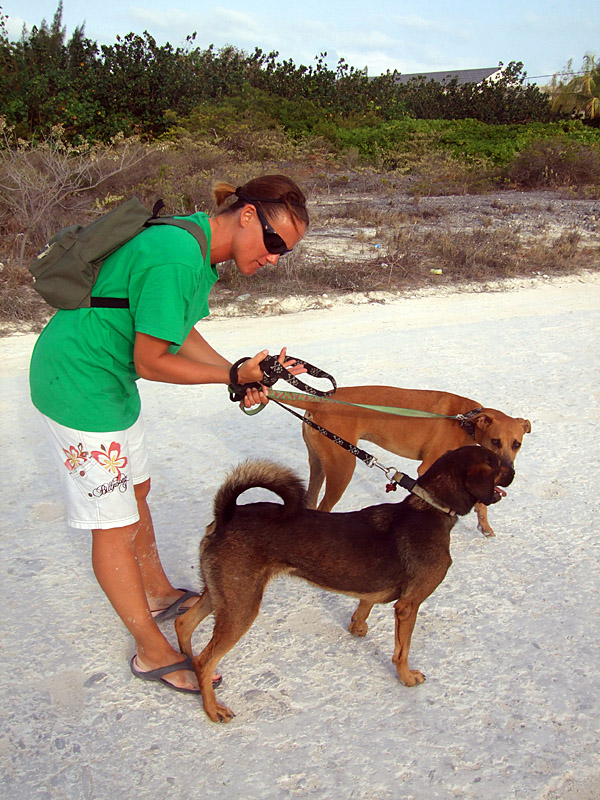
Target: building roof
point(445, 76)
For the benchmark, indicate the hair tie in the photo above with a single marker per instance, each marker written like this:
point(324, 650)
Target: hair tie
point(237, 191)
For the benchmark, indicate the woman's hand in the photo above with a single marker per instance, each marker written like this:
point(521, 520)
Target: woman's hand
point(292, 366)
point(251, 372)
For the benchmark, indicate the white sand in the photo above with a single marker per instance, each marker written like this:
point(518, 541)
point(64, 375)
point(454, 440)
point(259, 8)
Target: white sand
point(509, 642)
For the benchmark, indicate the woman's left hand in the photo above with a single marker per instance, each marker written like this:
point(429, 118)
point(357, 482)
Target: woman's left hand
point(292, 366)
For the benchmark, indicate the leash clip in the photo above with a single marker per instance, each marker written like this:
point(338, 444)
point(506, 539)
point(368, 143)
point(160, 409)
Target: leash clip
point(390, 472)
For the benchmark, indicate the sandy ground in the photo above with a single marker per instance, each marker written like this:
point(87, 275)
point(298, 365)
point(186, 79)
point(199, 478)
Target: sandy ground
point(509, 642)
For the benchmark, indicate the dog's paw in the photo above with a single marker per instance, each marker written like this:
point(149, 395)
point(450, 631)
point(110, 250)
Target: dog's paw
point(412, 677)
point(219, 713)
point(358, 628)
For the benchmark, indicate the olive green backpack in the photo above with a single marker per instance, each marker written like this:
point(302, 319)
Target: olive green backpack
point(68, 266)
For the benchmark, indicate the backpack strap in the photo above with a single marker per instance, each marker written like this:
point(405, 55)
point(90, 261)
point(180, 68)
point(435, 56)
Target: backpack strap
point(185, 224)
point(109, 302)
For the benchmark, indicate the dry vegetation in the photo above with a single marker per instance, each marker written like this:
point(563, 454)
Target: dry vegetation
point(370, 234)
point(371, 231)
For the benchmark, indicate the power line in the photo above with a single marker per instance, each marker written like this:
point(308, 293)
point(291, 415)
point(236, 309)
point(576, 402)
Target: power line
point(555, 75)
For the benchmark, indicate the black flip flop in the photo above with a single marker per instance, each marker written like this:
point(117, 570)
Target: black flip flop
point(175, 609)
point(157, 674)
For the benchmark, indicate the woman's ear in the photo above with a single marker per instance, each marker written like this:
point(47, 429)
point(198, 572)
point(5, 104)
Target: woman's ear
point(247, 214)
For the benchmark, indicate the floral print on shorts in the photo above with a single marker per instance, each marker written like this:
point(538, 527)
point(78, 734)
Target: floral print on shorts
point(110, 458)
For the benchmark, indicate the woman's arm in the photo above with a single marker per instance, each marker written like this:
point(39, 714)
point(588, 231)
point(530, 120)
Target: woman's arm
point(197, 362)
point(154, 362)
point(197, 348)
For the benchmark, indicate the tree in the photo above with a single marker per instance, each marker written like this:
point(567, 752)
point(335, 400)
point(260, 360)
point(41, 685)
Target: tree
point(504, 101)
point(580, 94)
point(37, 87)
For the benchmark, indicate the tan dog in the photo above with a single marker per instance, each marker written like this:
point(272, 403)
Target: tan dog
point(393, 552)
point(425, 440)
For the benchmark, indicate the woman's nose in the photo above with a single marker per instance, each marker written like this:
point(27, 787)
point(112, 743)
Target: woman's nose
point(273, 259)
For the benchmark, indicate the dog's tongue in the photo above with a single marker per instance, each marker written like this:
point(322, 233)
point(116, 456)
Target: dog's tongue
point(498, 493)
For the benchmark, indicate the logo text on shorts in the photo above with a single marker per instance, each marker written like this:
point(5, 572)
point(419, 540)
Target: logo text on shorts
point(106, 488)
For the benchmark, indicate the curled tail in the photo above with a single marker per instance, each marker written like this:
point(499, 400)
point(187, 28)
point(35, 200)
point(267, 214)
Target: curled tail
point(265, 474)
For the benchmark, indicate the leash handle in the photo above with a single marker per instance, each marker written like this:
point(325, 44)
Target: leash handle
point(273, 370)
point(237, 390)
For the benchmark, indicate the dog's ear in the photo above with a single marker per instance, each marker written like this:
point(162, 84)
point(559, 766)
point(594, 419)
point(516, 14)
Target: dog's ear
point(483, 421)
point(480, 483)
point(525, 423)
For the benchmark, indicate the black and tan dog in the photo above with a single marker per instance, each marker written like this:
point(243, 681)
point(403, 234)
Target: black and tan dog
point(391, 552)
point(410, 437)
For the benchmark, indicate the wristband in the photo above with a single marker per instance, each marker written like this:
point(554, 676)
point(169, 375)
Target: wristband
point(237, 390)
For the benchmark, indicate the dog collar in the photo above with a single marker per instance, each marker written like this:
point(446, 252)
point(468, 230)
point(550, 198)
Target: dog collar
point(464, 420)
point(411, 485)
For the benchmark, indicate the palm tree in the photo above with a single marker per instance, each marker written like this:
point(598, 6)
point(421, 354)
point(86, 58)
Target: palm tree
point(581, 94)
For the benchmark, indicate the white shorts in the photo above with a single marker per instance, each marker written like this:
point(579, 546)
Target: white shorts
point(98, 472)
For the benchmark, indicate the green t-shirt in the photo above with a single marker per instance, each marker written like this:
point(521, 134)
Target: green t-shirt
point(82, 373)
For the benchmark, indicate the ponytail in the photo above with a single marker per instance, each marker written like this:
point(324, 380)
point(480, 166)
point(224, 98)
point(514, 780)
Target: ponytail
point(273, 192)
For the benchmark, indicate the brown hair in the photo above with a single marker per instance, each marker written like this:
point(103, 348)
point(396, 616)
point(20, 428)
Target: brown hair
point(273, 192)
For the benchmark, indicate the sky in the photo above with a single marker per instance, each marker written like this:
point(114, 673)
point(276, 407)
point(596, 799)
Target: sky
point(420, 37)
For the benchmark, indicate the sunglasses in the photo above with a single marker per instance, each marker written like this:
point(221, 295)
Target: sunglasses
point(273, 241)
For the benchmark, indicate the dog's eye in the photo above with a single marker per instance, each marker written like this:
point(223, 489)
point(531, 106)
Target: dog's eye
point(496, 442)
point(516, 445)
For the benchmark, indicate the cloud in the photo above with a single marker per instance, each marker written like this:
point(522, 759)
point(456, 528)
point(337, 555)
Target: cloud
point(238, 25)
point(219, 26)
point(152, 20)
point(417, 23)
point(14, 27)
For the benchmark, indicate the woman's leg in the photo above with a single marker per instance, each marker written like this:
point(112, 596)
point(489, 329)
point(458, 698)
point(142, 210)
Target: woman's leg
point(159, 591)
point(119, 573)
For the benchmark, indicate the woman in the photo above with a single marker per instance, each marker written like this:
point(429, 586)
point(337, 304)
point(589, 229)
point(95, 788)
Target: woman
point(83, 377)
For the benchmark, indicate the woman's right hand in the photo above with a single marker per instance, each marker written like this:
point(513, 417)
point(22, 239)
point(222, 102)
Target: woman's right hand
point(250, 371)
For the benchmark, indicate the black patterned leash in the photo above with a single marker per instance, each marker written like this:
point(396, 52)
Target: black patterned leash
point(273, 370)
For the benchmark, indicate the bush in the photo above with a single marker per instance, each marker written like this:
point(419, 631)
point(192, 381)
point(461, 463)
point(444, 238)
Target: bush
point(556, 162)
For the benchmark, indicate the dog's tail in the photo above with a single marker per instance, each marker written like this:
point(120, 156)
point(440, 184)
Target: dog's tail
point(265, 474)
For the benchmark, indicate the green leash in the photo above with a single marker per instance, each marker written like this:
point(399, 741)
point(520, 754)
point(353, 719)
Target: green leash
point(283, 397)
point(276, 394)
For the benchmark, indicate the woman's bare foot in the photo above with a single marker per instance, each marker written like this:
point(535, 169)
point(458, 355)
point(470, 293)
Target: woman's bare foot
point(158, 605)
